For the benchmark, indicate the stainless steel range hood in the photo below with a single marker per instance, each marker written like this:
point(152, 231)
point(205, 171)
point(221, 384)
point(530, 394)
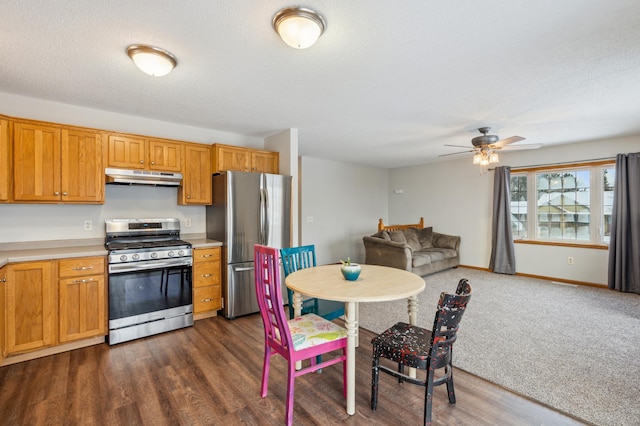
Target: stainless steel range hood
point(141, 177)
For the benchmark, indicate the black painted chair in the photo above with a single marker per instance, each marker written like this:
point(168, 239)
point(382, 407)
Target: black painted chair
point(416, 347)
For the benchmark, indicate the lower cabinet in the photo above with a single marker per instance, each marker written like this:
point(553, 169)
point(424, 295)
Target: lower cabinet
point(81, 298)
point(3, 282)
point(207, 289)
point(31, 313)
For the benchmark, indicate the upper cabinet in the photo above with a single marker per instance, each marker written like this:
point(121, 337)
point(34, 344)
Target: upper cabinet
point(5, 162)
point(57, 164)
point(136, 152)
point(226, 157)
point(196, 180)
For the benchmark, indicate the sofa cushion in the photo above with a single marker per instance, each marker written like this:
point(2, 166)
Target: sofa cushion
point(435, 254)
point(420, 258)
point(382, 234)
point(411, 235)
point(425, 236)
point(398, 236)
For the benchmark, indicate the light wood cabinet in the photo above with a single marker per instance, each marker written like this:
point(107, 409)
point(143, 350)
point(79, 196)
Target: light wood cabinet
point(30, 304)
point(81, 298)
point(53, 164)
point(207, 287)
point(5, 160)
point(138, 152)
point(227, 157)
point(196, 179)
point(3, 281)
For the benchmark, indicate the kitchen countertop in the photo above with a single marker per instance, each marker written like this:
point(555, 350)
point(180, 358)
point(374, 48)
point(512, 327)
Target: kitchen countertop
point(63, 249)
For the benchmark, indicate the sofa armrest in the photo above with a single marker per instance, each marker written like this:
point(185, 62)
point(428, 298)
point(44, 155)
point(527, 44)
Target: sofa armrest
point(387, 253)
point(446, 241)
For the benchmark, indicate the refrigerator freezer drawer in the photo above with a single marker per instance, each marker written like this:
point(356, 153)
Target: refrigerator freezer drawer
point(240, 293)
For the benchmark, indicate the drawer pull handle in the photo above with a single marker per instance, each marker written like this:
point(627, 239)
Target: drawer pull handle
point(207, 300)
point(86, 280)
point(3, 280)
point(206, 255)
point(206, 275)
point(82, 268)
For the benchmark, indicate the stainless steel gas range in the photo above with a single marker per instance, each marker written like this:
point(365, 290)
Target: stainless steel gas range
point(150, 276)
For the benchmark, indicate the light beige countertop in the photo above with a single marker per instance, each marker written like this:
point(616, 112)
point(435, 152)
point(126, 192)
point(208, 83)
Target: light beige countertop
point(63, 249)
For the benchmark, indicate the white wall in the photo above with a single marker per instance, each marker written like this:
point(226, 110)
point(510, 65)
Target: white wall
point(339, 204)
point(454, 198)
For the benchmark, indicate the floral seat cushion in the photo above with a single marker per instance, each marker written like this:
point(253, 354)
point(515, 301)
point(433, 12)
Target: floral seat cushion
point(311, 330)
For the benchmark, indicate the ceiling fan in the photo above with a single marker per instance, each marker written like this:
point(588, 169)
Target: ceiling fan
point(485, 147)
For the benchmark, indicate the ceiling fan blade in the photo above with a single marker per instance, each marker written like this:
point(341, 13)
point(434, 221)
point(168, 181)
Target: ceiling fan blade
point(457, 153)
point(523, 147)
point(508, 141)
point(458, 146)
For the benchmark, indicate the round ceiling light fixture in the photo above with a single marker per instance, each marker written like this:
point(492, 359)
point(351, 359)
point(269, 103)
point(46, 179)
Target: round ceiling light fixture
point(152, 60)
point(298, 27)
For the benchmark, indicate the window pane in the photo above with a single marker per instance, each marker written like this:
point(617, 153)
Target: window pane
point(563, 205)
point(518, 189)
point(608, 182)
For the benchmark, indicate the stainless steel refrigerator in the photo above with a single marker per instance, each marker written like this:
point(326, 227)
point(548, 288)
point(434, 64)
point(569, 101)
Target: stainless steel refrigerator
point(248, 208)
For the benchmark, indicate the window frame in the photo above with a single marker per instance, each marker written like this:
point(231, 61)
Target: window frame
point(596, 200)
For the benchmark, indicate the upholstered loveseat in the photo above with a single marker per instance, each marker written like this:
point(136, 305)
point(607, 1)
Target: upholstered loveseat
point(413, 248)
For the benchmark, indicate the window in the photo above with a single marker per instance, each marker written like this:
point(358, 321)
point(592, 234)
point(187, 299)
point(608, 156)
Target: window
point(570, 204)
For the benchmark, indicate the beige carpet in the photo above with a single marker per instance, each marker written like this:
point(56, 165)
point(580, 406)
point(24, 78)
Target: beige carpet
point(575, 348)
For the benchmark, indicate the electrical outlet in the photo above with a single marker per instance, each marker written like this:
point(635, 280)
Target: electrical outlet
point(88, 225)
point(187, 223)
point(570, 260)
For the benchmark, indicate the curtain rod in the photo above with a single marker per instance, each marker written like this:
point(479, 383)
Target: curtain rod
point(593, 160)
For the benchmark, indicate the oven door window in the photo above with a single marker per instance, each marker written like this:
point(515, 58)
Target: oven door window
point(141, 292)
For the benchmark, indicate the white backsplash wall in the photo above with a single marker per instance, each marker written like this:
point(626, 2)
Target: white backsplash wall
point(42, 222)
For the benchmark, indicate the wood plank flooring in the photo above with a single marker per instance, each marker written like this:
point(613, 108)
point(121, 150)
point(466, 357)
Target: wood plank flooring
point(209, 374)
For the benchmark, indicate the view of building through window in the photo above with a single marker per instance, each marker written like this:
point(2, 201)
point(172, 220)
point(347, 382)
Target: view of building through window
point(568, 205)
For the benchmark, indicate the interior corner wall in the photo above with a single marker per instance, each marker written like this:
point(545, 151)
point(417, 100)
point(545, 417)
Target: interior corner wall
point(339, 204)
point(456, 199)
point(286, 143)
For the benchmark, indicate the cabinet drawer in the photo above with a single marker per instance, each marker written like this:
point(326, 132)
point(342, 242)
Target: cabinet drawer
point(207, 299)
point(206, 273)
point(206, 254)
point(82, 266)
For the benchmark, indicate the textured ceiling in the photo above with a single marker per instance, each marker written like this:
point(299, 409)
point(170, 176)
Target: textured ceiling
point(388, 84)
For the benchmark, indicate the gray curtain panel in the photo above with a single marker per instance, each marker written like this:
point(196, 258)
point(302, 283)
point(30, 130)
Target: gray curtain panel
point(503, 258)
point(624, 246)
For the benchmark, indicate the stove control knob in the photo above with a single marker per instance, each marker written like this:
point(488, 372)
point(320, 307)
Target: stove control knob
point(171, 253)
point(123, 257)
point(180, 252)
point(154, 255)
point(136, 256)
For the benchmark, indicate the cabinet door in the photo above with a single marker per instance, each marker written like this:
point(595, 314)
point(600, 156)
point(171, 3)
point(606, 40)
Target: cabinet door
point(36, 162)
point(4, 160)
point(196, 180)
point(30, 306)
point(265, 162)
point(126, 152)
point(82, 170)
point(82, 307)
point(3, 281)
point(231, 158)
point(165, 156)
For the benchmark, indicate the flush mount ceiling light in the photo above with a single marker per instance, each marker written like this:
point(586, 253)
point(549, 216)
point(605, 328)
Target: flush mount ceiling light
point(152, 60)
point(298, 27)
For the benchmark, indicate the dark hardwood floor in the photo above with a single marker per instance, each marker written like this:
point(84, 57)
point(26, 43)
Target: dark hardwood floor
point(209, 374)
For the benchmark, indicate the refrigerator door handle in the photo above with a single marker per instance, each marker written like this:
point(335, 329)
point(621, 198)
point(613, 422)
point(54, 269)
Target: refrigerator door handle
point(261, 216)
point(249, 268)
point(267, 222)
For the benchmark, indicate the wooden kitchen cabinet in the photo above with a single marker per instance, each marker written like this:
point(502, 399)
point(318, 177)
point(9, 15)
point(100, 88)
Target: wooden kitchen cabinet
point(5, 160)
point(54, 164)
point(227, 157)
point(207, 285)
point(196, 179)
point(138, 152)
point(30, 305)
point(3, 281)
point(81, 298)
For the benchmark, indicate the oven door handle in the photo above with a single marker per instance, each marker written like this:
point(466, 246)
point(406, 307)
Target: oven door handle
point(147, 265)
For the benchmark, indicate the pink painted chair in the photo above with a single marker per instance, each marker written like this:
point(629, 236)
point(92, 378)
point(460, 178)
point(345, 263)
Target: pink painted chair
point(298, 339)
